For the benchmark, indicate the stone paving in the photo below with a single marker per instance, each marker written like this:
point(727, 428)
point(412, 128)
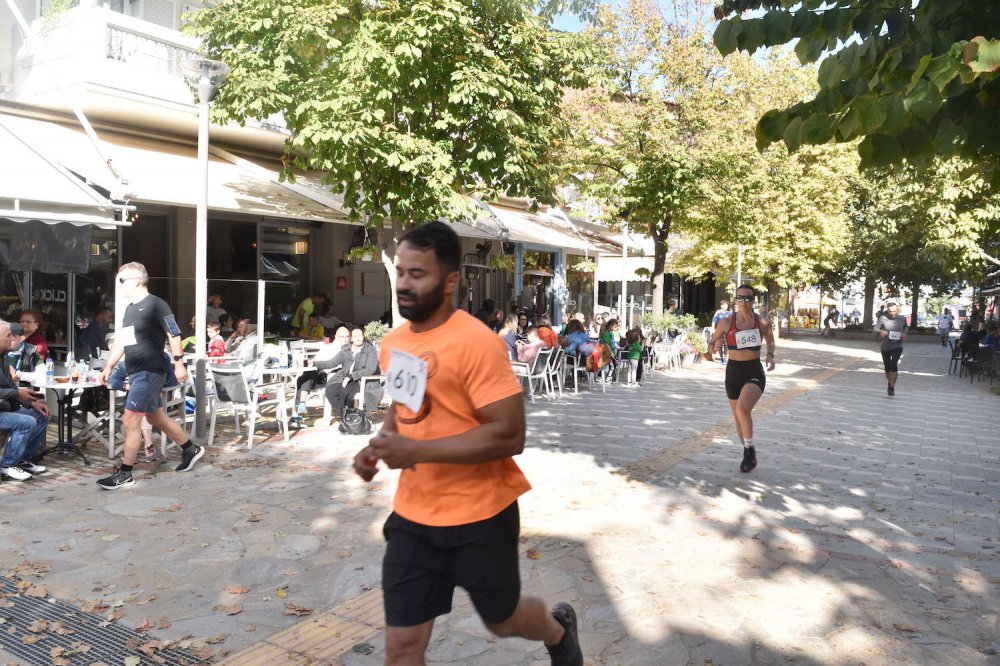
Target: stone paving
point(867, 534)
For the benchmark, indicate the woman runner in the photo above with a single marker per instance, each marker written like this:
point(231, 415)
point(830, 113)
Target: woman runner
point(744, 333)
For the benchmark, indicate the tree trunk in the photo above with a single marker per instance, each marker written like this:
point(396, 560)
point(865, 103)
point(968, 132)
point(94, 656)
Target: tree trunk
point(660, 233)
point(866, 320)
point(913, 305)
point(389, 241)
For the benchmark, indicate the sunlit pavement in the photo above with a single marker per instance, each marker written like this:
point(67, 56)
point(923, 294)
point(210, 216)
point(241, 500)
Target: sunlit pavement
point(867, 534)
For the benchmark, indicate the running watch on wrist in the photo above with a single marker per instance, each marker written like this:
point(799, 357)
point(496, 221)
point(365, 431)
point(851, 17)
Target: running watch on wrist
point(179, 357)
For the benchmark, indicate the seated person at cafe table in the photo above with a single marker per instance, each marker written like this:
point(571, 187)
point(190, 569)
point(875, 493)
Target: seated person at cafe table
point(313, 330)
point(216, 345)
point(330, 321)
point(31, 322)
point(147, 326)
point(22, 357)
point(356, 361)
point(546, 333)
point(94, 338)
point(528, 351)
point(315, 376)
point(23, 414)
point(579, 339)
point(509, 334)
point(242, 340)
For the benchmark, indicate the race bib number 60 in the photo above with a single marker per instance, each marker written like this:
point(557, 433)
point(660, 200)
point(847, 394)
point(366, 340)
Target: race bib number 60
point(748, 338)
point(406, 381)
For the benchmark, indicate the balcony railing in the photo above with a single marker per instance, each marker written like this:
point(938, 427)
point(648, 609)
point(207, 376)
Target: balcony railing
point(144, 52)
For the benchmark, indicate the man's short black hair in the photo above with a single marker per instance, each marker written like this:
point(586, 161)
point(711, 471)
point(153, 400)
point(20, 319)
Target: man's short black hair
point(440, 237)
point(753, 292)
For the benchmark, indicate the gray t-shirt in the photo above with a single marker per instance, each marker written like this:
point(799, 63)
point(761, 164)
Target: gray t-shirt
point(895, 324)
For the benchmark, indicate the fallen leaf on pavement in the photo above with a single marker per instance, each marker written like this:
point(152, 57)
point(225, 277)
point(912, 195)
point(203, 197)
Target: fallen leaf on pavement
point(255, 516)
point(109, 537)
point(38, 626)
point(904, 627)
point(534, 554)
point(282, 593)
point(296, 610)
point(132, 661)
point(145, 626)
point(37, 591)
point(363, 648)
point(237, 589)
point(64, 547)
point(142, 601)
point(218, 638)
point(249, 628)
point(164, 623)
point(235, 609)
point(176, 506)
point(28, 640)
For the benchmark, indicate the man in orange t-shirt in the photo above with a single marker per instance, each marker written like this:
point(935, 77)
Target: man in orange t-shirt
point(455, 519)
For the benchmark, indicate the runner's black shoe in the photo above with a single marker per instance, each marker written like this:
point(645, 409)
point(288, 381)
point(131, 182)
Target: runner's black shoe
point(190, 457)
point(568, 652)
point(749, 459)
point(891, 391)
point(117, 480)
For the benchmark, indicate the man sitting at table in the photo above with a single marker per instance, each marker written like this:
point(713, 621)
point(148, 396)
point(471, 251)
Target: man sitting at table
point(24, 414)
point(95, 337)
point(357, 361)
point(315, 376)
point(313, 330)
point(23, 356)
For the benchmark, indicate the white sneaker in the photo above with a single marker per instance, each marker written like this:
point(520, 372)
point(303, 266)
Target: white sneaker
point(32, 468)
point(15, 473)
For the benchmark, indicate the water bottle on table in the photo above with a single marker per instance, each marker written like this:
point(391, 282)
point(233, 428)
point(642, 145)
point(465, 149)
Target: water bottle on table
point(50, 371)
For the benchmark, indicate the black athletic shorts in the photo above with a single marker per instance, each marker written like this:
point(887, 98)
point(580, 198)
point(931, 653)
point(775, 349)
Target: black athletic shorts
point(423, 565)
point(741, 373)
point(890, 359)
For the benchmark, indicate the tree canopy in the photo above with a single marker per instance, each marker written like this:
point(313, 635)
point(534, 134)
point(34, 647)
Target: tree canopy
point(406, 106)
point(911, 79)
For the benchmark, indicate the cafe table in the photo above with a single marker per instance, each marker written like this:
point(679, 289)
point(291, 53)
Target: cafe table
point(64, 392)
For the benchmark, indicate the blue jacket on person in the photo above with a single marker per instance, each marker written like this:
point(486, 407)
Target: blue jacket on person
point(576, 340)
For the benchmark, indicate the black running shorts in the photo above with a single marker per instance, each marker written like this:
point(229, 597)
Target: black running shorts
point(890, 359)
point(741, 373)
point(423, 565)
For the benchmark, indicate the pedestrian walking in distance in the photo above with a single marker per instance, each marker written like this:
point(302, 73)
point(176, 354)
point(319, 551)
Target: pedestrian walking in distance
point(148, 324)
point(744, 333)
point(892, 330)
point(456, 420)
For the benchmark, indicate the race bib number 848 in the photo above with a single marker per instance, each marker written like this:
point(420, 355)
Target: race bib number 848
point(748, 338)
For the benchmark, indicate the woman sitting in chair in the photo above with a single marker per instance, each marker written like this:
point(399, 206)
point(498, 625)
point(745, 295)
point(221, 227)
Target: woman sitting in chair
point(357, 361)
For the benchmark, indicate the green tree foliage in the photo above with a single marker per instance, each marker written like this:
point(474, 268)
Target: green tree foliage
point(911, 79)
point(408, 107)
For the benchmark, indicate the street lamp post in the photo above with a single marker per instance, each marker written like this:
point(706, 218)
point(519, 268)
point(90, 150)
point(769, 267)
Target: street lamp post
point(204, 76)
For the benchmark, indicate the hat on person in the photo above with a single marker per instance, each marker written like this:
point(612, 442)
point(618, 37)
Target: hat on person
point(16, 328)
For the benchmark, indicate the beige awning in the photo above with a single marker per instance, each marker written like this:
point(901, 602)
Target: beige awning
point(162, 172)
point(34, 187)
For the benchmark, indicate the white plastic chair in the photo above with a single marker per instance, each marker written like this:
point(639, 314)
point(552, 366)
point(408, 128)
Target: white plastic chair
point(232, 390)
point(359, 399)
point(537, 371)
point(556, 370)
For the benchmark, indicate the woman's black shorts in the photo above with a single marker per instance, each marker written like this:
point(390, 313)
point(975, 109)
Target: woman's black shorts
point(890, 359)
point(741, 373)
point(423, 565)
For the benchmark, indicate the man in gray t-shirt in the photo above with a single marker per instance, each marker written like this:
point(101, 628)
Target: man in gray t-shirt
point(891, 329)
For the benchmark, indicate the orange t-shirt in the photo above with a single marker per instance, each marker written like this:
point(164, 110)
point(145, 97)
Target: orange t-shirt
point(467, 368)
point(548, 336)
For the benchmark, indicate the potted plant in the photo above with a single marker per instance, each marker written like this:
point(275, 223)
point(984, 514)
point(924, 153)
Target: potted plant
point(366, 252)
point(375, 331)
point(585, 266)
point(693, 348)
point(502, 262)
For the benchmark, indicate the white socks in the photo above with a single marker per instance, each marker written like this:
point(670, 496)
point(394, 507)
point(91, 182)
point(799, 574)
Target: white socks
point(748, 443)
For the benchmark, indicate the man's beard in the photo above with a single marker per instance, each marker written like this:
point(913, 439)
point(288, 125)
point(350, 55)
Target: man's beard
point(422, 308)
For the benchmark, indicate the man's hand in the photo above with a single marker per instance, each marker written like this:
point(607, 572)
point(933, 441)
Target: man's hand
point(27, 396)
point(40, 407)
point(395, 450)
point(180, 372)
point(883, 333)
point(347, 380)
point(105, 375)
point(366, 463)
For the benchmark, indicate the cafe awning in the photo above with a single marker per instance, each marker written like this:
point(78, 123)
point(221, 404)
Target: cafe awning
point(163, 172)
point(35, 187)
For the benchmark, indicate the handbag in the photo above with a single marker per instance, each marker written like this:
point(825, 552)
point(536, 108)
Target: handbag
point(355, 421)
point(602, 355)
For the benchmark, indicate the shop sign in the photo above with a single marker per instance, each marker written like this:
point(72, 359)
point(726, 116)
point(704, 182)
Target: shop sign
point(48, 296)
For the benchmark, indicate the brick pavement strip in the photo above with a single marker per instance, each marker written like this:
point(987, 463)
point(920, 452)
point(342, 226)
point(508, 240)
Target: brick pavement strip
point(868, 534)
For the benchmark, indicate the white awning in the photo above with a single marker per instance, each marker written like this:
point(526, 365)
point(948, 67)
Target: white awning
point(34, 187)
point(161, 172)
point(609, 269)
